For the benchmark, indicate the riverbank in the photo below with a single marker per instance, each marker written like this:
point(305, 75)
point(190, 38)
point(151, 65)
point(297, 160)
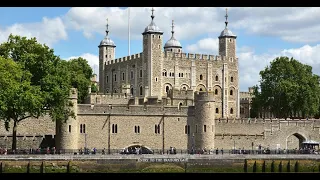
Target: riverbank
point(179, 163)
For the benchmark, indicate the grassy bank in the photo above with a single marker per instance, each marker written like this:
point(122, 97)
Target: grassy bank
point(257, 166)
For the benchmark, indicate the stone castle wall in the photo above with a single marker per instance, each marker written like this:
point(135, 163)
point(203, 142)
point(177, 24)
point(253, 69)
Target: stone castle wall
point(100, 119)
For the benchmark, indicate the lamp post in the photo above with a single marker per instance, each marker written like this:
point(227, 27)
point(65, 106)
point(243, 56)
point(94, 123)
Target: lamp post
point(252, 146)
point(85, 143)
point(193, 148)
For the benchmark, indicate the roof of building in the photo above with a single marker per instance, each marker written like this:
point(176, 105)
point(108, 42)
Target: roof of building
point(107, 41)
point(226, 32)
point(152, 27)
point(172, 42)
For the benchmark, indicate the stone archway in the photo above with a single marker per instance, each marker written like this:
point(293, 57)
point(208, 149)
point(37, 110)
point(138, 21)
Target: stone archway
point(201, 87)
point(131, 149)
point(294, 141)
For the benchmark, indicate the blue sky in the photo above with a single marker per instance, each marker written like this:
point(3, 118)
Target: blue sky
point(262, 33)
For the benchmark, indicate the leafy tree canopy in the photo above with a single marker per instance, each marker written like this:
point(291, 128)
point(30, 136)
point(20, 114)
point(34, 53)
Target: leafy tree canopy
point(18, 98)
point(34, 81)
point(288, 88)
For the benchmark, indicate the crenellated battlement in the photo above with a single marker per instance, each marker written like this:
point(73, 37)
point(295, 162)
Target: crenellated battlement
point(203, 96)
point(245, 95)
point(265, 121)
point(183, 94)
point(147, 110)
point(108, 98)
point(126, 58)
point(191, 56)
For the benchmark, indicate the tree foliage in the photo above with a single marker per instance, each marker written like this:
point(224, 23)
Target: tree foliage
point(80, 74)
point(34, 82)
point(18, 99)
point(288, 88)
point(94, 88)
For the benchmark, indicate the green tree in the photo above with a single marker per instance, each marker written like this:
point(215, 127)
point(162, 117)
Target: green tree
point(50, 81)
point(81, 74)
point(18, 98)
point(288, 88)
point(94, 88)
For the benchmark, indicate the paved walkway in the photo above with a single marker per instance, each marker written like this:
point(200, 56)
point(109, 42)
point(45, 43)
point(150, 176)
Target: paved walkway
point(152, 157)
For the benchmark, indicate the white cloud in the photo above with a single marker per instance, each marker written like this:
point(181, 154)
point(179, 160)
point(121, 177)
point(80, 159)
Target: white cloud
point(49, 31)
point(204, 45)
point(291, 24)
point(92, 59)
point(250, 63)
point(191, 20)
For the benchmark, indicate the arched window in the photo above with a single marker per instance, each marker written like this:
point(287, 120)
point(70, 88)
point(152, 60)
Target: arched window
point(80, 128)
point(180, 104)
point(200, 89)
point(231, 92)
point(201, 77)
point(216, 91)
point(217, 110)
point(231, 79)
point(167, 89)
point(231, 111)
point(141, 93)
point(217, 78)
point(131, 91)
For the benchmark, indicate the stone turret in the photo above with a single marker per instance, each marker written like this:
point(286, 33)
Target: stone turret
point(152, 51)
point(227, 41)
point(67, 132)
point(107, 52)
point(204, 122)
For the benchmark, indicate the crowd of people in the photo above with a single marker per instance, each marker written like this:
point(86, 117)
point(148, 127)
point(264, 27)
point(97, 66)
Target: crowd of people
point(172, 150)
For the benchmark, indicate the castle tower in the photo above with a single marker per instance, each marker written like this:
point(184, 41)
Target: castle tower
point(227, 47)
point(227, 41)
point(204, 122)
point(67, 133)
point(172, 44)
point(107, 51)
point(152, 52)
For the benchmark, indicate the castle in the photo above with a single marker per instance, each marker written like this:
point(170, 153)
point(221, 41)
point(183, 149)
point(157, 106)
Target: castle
point(164, 98)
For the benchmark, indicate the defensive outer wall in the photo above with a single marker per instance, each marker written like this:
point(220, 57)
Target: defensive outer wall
point(159, 128)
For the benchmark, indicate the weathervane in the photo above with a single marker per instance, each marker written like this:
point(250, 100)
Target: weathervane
point(107, 31)
point(152, 16)
point(172, 27)
point(226, 17)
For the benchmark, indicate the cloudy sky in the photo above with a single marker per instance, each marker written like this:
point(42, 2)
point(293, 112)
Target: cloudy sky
point(263, 33)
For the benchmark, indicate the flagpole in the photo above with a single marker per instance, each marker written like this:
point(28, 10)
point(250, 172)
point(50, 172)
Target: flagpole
point(129, 31)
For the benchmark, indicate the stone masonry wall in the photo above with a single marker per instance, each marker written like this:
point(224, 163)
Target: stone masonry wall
point(241, 133)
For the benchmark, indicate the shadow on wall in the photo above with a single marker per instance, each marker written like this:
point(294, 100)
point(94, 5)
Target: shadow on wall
point(47, 141)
